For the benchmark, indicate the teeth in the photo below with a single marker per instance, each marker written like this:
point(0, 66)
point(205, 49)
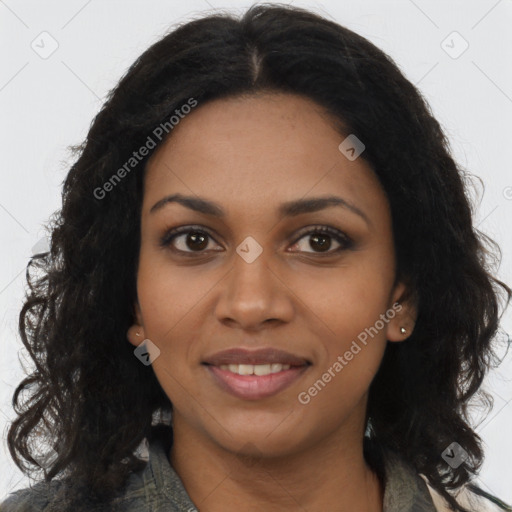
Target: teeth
point(263, 369)
point(276, 367)
point(255, 369)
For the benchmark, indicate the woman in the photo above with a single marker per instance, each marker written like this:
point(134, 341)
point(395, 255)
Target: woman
point(264, 279)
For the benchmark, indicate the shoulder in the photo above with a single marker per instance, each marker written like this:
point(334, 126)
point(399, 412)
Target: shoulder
point(406, 489)
point(30, 499)
point(470, 497)
point(46, 497)
point(141, 491)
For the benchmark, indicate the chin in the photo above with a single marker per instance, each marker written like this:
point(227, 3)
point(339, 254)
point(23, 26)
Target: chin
point(261, 436)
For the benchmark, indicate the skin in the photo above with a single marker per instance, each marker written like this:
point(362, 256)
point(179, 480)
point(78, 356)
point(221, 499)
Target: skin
point(249, 155)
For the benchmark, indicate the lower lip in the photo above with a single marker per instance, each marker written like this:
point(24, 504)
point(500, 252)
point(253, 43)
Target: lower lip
point(255, 387)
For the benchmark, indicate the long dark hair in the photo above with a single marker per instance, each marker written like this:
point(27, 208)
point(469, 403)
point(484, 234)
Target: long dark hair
point(95, 402)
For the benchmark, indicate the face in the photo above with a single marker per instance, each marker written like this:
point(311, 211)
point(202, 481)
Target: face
point(298, 298)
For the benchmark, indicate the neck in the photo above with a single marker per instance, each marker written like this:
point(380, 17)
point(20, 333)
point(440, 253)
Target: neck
point(330, 475)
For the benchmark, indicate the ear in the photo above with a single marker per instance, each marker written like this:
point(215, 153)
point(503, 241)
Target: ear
point(135, 333)
point(404, 304)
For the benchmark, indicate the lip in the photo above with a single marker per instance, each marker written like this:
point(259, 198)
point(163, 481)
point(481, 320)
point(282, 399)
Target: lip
point(259, 356)
point(255, 387)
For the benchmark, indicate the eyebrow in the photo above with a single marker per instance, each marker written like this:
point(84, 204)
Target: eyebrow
point(288, 209)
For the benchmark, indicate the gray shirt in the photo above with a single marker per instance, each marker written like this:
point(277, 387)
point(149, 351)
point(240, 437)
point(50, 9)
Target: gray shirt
point(158, 488)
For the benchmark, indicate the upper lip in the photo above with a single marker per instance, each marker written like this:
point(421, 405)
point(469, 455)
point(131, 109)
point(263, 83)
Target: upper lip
point(259, 356)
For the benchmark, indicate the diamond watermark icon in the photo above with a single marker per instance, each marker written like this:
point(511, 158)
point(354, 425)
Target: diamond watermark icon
point(351, 147)
point(249, 249)
point(455, 455)
point(44, 45)
point(147, 352)
point(41, 246)
point(47, 459)
point(454, 45)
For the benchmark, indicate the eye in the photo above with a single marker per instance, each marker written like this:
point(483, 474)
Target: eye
point(321, 240)
point(194, 238)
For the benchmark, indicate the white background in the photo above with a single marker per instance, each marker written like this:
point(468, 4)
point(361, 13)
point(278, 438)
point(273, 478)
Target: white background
point(48, 104)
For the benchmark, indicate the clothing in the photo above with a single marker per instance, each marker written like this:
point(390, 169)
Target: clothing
point(158, 488)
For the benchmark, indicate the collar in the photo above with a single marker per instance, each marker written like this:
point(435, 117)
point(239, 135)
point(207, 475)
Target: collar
point(405, 490)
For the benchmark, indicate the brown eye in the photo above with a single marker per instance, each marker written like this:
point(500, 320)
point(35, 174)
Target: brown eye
point(196, 240)
point(320, 240)
point(187, 240)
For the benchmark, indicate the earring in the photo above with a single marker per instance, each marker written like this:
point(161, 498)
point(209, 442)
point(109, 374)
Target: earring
point(137, 334)
point(403, 330)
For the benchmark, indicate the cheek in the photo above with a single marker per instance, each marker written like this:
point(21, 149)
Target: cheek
point(166, 318)
point(353, 334)
point(166, 296)
point(347, 301)
point(342, 380)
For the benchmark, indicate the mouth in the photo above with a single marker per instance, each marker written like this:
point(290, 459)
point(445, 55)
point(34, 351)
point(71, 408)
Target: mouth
point(254, 375)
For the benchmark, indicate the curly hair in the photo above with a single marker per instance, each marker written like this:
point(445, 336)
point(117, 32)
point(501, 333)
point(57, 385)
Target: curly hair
point(89, 395)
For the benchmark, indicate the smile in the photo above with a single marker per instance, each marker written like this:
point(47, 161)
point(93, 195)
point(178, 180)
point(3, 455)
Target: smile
point(254, 374)
point(252, 386)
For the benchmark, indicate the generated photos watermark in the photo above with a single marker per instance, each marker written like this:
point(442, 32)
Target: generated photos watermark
point(137, 156)
point(304, 397)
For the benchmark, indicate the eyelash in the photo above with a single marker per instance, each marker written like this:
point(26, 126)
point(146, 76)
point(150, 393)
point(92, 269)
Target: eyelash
point(345, 241)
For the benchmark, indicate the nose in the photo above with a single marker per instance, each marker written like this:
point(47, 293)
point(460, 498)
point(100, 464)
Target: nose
point(254, 295)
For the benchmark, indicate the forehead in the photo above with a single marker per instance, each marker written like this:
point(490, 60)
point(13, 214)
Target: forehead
point(273, 146)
